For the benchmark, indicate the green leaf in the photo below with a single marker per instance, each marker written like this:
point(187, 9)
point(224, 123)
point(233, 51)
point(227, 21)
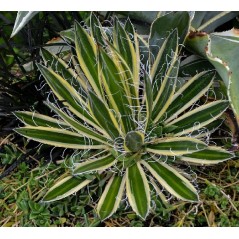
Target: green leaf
point(137, 190)
point(101, 163)
point(189, 93)
point(65, 187)
point(87, 56)
point(172, 181)
point(208, 21)
point(193, 66)
point(210, 155)
point(103, 115)
point(23, 17)
point(162, 26)
point(175, 146)
point(199, 117)
point(35, 119)
point(221, 51)
point(58, 137)
point(111, 197)
point(144, 16)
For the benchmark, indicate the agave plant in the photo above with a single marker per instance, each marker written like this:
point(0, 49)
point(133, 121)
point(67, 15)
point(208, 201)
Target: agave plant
point(129, 113)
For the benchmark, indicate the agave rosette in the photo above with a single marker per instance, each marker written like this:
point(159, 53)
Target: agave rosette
point(128, 112)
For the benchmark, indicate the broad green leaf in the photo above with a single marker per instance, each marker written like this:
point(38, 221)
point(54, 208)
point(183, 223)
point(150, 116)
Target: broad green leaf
point(208, 21)
point(58, 137)
point(101, 163)
point(221, 51)
point(87, 56)
point(225, 46)
point(175, 146)
point(111, 197)
point(65, 187)
point(81, 128)
point(172, 181)
point(67, 94)
point(115, 91)
point(199, 117)
point(193, 66)
point(35, 119)
point(163, 25)
point(144, 16)
point(23, 17)
point(103, 115)
point(137, 190)
point(210, 155)
point(189, 93)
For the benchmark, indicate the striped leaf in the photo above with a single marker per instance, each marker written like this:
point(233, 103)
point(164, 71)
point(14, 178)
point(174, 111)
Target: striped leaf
point(67, 94)
point(165, 94)
point(63, 69)
point(125, 46)
point(175, 146)
point(87, 57)
point(103, 115)
point(35, 119)
point(164, 62)
point(79, 127)
point(137, 190)
point(210, 155)
point(65, 187)
point(148, 98)
point(111, 197)
point(97, 31)
point(115, 90)
point(199, 117)
point(191, 92)
point(58, 137)
point(102, 163)
point(172, 181)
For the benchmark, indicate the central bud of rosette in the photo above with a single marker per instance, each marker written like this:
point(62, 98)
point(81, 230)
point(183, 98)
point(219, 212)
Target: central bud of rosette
point(133, 141)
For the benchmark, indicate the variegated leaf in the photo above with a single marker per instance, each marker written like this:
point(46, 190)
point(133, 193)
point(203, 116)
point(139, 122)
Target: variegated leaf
point(87, 56)
point(35, 119)
point(79, 127)
point(210, 155)
point(111, 197)
point(198, 118)
point(103, 115)
point(101, 163)
point(137, 190)
point(172, 181)
point(67, 94)
point(189, 93)
point(175, 146)
point(65, 187)
point(58, 137)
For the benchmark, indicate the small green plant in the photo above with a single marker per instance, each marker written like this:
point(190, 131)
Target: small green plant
point(128, 114)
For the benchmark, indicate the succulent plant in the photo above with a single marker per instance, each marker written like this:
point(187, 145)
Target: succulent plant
point(120, 101)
